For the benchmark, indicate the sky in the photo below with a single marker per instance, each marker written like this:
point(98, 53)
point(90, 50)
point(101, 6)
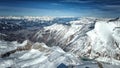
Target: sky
point(84, 8)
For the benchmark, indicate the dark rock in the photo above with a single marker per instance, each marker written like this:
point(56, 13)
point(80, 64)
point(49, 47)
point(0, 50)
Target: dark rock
point(62, 65)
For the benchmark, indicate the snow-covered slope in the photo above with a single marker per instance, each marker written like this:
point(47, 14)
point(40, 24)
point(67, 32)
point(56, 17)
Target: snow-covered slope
point(105, 41)
point(39, 55)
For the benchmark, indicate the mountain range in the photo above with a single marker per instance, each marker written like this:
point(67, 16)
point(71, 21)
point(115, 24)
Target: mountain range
point(59, 42)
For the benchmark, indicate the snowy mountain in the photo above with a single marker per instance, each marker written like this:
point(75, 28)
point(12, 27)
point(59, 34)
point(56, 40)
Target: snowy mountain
point(65, 42)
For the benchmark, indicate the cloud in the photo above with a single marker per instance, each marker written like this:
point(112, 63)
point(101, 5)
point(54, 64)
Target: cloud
point(75, 1)
point(115, 9)
point(24, 11)
point(56, 4)
point(113, 6)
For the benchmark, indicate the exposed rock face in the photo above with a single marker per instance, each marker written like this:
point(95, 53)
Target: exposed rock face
point(112, 20)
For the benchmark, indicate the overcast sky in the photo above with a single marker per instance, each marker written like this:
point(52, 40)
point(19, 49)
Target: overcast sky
point(97, 8)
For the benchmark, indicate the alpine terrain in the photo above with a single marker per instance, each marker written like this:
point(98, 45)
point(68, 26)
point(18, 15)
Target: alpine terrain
point(59, 42)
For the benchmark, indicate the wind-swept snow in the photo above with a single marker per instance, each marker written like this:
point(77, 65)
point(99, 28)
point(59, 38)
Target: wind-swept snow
point(104, 43)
